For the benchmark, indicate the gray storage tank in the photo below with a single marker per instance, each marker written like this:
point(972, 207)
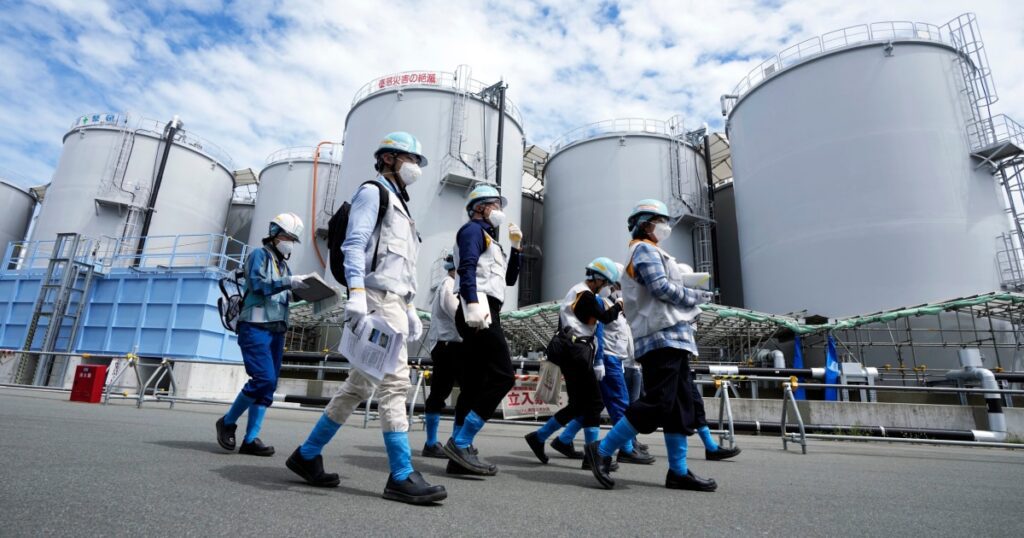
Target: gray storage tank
point(592, 179)
point(855, 188)
point(286, 185)
point(239, 221)
point(456, 118)
point(16, 207)
point(104, 178)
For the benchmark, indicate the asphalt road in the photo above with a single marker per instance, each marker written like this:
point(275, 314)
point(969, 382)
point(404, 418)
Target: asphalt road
point(72, 469)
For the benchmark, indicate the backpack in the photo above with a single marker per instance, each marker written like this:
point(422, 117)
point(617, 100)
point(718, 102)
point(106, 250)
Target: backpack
point(337, 229)
point(234, 292)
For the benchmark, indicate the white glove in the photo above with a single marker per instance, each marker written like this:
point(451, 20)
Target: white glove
point(515, 235)
point(704, 297)
point(616, 296)
point(415, 325)
point(478, 316)
point(355, 308)
point(599, 371)
point(295, 282)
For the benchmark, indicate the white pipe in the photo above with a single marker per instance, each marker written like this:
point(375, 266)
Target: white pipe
point(778, 359)
point(996, 418)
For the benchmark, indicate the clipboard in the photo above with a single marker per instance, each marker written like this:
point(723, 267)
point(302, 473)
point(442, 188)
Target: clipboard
point(318, 290)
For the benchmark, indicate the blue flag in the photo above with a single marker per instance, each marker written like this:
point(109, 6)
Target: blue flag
point(798, 362)
point(831, 369)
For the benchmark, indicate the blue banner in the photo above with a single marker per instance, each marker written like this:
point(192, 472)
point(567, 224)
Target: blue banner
point(798, 362)
point(831, 369)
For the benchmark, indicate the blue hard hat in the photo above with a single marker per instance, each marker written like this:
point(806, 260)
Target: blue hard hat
point(605, 268)
point(645, 210)
point(401, 142)
point(484, 193)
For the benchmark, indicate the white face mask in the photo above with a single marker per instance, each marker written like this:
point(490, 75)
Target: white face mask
point(285, 248)
point(496, 218)
point(409, 173)
point(662, 231)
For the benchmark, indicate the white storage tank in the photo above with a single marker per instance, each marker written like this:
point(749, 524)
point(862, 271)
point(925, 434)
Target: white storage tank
point(855, 188)
point(106, 173)
point(286, 185)
point(594, 176)
point(16, 207)
point(457, 120)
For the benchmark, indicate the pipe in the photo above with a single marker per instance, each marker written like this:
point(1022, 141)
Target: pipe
point(724, 98)
point(996, 419)
point(501, 133)
point(711, 207)
point(169, 131)
point(312, 214)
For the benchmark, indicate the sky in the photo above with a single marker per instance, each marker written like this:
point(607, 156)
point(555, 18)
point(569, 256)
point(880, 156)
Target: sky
point(256, 76)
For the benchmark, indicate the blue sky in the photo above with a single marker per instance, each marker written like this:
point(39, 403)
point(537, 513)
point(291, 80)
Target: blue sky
point(257, 76)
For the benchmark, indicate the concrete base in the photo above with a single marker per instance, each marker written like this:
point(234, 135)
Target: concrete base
point(889, 415)
point(209, 381)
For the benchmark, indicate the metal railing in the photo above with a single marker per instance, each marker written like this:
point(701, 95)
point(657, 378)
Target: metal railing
point(850, 36)
point(428, 79)
point(132, 122)
point(619, 125)
point(28, 255)
point(165, 251)
point(999, 129)
point(305, 153)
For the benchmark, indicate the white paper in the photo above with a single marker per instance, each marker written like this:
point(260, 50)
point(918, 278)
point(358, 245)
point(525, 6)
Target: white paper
point(697, 281)
point(372, 347)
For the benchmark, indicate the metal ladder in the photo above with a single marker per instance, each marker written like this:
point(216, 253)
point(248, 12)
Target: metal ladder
point(458, 121)
point(120, 164)
point(62, 299)
point(979, 88)
point(330, 189)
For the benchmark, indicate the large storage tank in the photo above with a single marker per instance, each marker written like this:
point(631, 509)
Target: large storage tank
point(730, 286)
point(16, 207)
point(457, 120)
point(854, 183)
point(105, 176)
point(533, 249)
point(594, 176)
point(286, 184)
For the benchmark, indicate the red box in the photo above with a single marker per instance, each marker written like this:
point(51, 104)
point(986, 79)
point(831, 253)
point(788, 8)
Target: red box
point(89, 381)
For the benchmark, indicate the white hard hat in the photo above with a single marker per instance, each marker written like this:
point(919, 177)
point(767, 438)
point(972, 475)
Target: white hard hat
point(288, 224)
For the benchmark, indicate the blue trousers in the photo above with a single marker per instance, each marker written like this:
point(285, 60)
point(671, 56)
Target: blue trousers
point(262, 352)
point(613, 388)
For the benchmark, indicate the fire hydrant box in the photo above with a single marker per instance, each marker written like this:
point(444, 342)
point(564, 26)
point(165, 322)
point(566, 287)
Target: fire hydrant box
point(88, 385)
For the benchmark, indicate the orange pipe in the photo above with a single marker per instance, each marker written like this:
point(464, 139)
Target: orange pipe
point(312, 228)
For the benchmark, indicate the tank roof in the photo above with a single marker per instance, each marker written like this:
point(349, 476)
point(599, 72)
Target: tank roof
point(430, 80)
point(619, 126)
point(951, 34)
point(305, 153)
point(152, 127)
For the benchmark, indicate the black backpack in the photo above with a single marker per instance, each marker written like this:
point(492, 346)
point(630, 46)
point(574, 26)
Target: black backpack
point(234, 292)
point(337, 229)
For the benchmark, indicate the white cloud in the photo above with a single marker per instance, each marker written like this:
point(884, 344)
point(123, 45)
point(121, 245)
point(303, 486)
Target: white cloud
point(256, 76)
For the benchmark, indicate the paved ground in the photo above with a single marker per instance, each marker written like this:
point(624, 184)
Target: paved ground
point(78, 469)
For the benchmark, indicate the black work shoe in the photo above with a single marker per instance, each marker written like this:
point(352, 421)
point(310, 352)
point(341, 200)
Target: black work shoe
point(312, 471)
point(613, 467)
point(413, 490)
point(256, 448)
point(599, 465)
point(226, 435)
point(434, 451)
point(566, 449)
point(468, 460)
point(456, 469)
point(721, 454)
point(635, 456)
point(689, 481)
point(537, 446)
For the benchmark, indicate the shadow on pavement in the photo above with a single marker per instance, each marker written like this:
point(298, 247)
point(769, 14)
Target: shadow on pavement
point(269, 479)
point(209, 447)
